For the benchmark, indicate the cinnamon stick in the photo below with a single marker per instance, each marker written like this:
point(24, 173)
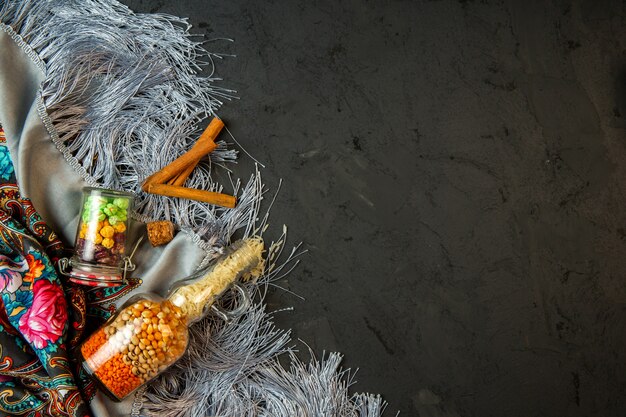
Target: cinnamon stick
point(218, 199)
point(181, 167)
point(183, 175)
point(210, 133)
point(182, 162)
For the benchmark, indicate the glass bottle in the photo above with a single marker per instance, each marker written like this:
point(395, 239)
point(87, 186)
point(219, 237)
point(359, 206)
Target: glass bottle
point(101, 237)
point(149, 333)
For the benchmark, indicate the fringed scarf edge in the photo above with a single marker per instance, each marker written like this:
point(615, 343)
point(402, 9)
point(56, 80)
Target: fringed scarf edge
point(144, 70)
point(122, 97)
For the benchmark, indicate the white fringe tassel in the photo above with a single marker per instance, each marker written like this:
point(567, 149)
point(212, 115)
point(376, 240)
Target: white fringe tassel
point(125, 96)
point(122, 98)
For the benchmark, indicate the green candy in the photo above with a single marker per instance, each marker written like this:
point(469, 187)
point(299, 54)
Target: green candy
point(113, 220)
point(101, 216)
point(121, 203)
point(88, 212)
point(110, 209)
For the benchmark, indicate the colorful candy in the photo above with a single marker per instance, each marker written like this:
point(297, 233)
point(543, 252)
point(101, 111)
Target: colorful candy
point(102, 232)
point(100, 245)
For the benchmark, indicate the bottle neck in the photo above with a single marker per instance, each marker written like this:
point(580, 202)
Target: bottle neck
point(196, 295)
point(194, 299)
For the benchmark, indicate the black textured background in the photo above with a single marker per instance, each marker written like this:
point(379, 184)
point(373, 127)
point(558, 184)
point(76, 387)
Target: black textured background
point(457, 171)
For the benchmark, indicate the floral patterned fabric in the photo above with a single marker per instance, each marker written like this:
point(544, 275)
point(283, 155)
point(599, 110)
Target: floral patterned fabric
point(41, 317)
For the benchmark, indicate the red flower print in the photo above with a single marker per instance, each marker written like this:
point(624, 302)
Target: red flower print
point(45, 320)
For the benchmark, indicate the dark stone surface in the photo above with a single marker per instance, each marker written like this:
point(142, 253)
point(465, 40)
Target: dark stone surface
point(457, 171)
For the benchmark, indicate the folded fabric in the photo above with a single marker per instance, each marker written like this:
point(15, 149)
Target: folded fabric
point(41, 317)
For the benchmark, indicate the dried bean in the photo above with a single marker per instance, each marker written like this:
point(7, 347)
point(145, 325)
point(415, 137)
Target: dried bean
point(148, 336)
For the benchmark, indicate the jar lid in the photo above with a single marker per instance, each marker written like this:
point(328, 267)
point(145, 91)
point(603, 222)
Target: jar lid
point(95, 275)
point(108, 191)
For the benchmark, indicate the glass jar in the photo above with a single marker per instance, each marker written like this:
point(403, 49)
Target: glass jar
point(149, 333)
point(101, 238)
